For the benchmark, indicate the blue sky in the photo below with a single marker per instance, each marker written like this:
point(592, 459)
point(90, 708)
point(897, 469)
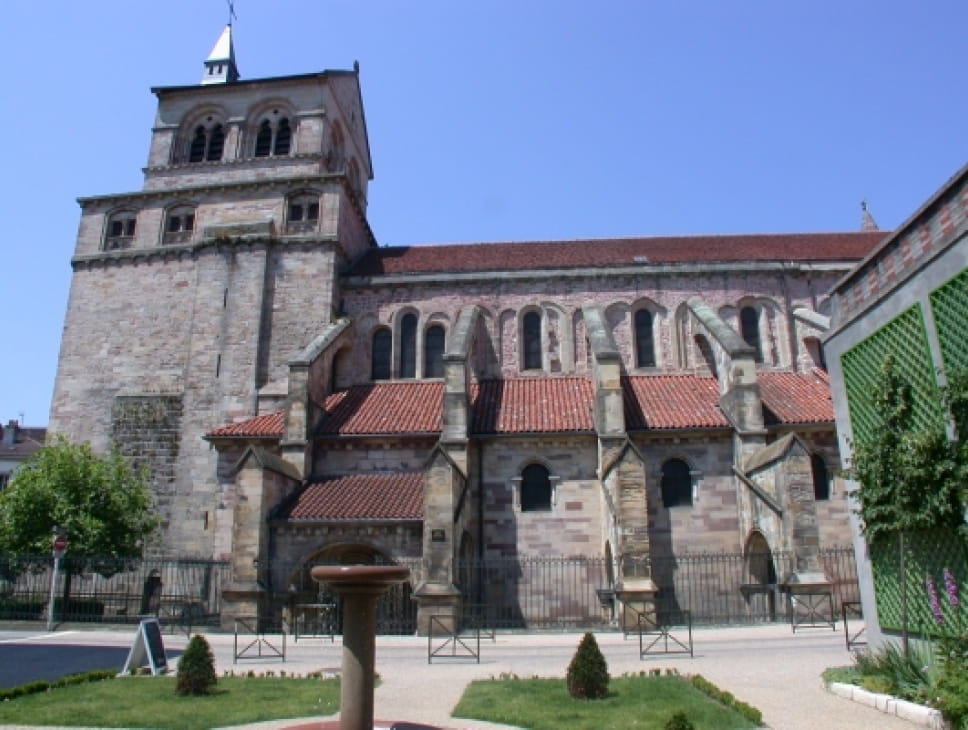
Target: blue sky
point(497, 120)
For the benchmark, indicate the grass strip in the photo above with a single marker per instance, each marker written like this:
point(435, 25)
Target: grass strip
point(135, 702)
point(641, 702)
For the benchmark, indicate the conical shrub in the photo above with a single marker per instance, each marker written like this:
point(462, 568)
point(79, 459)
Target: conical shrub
point(588, 671)
point(196, 668)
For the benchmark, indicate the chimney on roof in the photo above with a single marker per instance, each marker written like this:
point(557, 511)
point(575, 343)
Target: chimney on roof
point(867, 222)
point(10, 433)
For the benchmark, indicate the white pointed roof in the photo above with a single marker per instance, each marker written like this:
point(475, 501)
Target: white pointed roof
point(220, 65)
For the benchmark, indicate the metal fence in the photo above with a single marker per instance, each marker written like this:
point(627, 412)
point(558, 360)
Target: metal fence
point(532, 592)
point(504, 593)
point(113, 590)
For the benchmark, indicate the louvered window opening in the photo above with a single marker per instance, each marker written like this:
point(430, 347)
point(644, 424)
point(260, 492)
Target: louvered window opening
point(207, 144)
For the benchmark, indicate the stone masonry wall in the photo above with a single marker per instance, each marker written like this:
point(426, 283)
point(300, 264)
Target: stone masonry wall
point(571, 528)
point(147, 430)
point(504, 301)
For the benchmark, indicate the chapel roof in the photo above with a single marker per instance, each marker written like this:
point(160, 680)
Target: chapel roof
point(362, 496)
point(610, 252)
point(795, 398)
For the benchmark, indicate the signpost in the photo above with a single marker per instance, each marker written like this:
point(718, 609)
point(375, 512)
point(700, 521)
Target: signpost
point(60, 547)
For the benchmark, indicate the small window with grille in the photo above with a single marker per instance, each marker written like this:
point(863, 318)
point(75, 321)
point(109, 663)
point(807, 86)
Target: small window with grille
point(302, 213)
point(179, 224)
point(120, 230)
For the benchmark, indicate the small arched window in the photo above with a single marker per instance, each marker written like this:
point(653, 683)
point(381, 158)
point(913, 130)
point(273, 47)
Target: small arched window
point(302, 213)
point(434, 352)
point(821, 478)
point(179, 224)
point(676, 483)
point(749, 322)
point(644, 340)
point(535, 489)
point(408, 346)
point(120, 230)
point(531, 334)
point(380, 354)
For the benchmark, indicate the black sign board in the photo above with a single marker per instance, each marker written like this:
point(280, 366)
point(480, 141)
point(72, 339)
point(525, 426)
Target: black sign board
point(147, 649)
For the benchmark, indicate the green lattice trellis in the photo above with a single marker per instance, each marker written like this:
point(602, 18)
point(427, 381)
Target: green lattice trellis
point(949, 305)
point(906, 339)
point(926, 554)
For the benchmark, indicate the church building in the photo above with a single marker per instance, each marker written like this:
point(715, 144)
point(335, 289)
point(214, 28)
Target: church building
point(301, 394)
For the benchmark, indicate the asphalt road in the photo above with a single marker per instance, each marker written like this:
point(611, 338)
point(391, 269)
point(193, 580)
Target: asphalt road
point(24, 659)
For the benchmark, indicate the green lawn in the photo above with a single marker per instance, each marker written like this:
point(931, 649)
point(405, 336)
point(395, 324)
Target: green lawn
point(152, 702)
point(633, 702)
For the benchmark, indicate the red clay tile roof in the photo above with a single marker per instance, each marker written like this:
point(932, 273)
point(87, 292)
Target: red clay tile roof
point(790, 398)
point(369, 496)
point(265, 426)
point(671, 401)
point(550, 405)
point(598, 253)
point(399, 407)
point(532, 405)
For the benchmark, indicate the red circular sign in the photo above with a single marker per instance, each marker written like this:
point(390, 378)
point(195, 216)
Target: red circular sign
point(60, 543)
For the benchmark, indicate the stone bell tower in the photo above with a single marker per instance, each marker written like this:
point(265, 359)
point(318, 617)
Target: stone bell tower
point(190, 296)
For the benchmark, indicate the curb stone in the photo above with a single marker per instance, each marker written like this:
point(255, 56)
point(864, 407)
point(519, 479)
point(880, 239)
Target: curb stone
point(910, 711)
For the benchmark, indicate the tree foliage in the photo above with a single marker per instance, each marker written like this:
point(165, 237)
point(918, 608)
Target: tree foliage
point(102, 504)
point(912, 479)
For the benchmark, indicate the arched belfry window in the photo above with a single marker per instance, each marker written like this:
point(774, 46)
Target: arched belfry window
point(208, 142)
point(676, 483)
point(749, 322)
point(274, 137)
point(531, 337)
point(821, 478)
point(120, 230)
point(380, 355)
point(644, 339)
point(434, 352)
point(408, 346)
point(535, 489)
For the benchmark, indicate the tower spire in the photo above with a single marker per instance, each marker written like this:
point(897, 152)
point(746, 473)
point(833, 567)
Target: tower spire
point(220, 65)
point(867, 222)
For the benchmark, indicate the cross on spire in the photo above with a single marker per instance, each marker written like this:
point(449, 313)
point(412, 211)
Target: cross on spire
point(231, 11)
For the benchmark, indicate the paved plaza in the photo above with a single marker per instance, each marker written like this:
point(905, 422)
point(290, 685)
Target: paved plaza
point(767, 666)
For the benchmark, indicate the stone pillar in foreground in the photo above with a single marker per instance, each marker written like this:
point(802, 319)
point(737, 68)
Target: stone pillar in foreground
point(359, 586)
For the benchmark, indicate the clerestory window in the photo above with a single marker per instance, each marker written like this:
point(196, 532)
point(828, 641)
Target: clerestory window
point(749, 322)
point(531, 336)
point(644, 340)
point(434, 352)
point(380, 355)
point(408, 346)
